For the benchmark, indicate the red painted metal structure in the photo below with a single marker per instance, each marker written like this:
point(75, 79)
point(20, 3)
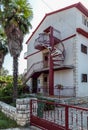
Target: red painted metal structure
point(58, 116)
point(48, 40)
point(51, 72)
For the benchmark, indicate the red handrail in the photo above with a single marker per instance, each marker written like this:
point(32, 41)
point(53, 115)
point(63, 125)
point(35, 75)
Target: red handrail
point(34, 67)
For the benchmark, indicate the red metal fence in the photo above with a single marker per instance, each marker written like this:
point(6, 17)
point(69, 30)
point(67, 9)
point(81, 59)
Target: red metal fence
point(55, 116)
point(68, 91)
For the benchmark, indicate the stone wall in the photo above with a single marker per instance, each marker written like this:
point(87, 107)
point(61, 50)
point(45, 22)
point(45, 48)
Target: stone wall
point(21, 114)
point(9, 111)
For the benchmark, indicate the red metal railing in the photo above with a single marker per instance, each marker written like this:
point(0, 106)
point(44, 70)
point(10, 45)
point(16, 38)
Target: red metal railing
point(66, 91)
point(34, 67)
point(58, 116)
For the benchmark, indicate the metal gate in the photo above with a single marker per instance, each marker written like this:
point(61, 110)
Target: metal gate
point(54, 116)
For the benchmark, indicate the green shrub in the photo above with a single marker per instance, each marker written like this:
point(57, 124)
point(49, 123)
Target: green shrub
point(6, 90)
point(6, 122)
point(49, 105)
point(40, 109)
point(6, 99)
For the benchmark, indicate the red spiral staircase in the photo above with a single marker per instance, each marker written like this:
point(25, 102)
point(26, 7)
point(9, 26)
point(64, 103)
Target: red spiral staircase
point(50, 39)
point(43, 41)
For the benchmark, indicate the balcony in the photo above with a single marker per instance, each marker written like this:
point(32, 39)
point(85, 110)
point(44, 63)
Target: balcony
point(43, 41)
point(37, 68)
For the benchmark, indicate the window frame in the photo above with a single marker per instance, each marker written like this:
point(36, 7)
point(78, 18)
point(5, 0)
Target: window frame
point(84, 78)
point(85, 20)
point(83, 48)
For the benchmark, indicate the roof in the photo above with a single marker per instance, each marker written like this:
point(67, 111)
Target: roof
point(79, 6)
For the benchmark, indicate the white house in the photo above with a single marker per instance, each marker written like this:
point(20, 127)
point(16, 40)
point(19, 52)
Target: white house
point(57, 53)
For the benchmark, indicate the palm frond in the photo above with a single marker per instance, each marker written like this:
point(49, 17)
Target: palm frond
point(17, 12)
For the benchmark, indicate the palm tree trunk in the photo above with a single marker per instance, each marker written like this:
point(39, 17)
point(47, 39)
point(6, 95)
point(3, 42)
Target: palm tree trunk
point(15, 78)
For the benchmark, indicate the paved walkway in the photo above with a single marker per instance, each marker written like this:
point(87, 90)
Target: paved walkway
point(17, 129)
point(29, 128)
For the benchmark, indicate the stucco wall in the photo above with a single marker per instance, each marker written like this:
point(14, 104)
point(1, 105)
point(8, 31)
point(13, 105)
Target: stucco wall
point(62, 21)
point(66, 21)
point(82, 66)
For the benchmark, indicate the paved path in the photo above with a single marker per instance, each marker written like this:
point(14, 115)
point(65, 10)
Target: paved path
point(29, 128)
point(17, 129)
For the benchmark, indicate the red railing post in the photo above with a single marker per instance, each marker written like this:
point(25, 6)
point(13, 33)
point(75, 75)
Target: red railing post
point(66, 118)
point(30, 111)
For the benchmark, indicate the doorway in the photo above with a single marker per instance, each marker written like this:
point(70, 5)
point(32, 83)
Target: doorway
point(34, 85)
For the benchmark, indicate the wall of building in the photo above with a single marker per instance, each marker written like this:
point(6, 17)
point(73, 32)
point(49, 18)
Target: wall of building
point(80, 20)
point(65, 78)
point(66, 22)
point(82, 66)
point(69, 51)
point(62, 21)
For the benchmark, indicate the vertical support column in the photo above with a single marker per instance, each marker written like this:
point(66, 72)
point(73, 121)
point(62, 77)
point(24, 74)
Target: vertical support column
point(51, 72)
point(66, 118)
point(51, 77)
point(24, 111)
point(30, 110)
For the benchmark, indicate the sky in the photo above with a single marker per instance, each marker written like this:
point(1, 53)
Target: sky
point(40, 8)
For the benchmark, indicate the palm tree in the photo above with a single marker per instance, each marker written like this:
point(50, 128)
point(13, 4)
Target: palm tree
point(16, 16)
point(3, 47)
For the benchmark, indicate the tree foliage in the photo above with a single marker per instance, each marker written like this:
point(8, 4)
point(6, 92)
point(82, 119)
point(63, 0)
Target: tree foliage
point(3, 46)
point(15, 16)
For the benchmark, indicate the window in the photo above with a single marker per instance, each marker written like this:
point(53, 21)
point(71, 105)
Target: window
point(85, 20)
point(84, 78)
point(83, 48)
point(38, 81)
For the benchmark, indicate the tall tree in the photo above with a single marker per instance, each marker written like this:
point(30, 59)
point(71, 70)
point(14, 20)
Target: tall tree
point(16, 16)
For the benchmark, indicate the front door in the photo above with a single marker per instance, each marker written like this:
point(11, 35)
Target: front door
point(34, 85)
point(45, 84)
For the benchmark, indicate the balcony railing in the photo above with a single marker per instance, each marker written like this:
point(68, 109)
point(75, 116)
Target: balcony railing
point(34, 68)
point(43, 41)
point(42, 66)
point(67, 91)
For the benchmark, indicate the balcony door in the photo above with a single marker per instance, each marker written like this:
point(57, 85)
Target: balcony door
point(34, 85)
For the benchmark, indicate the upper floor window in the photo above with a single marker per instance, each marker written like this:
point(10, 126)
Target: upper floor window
point(84, 78)
point(83, 48)
point(85, 20)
